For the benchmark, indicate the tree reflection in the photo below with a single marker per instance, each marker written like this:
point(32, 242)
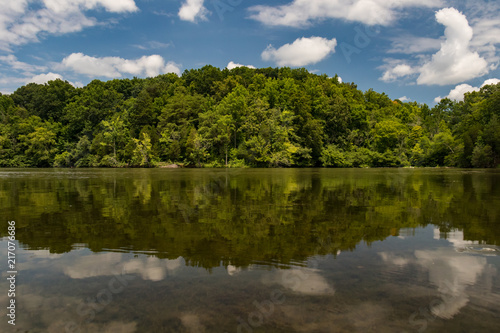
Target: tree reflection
point(237, 217)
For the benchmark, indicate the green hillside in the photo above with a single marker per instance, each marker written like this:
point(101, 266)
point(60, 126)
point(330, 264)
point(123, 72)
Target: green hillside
point(269, 117)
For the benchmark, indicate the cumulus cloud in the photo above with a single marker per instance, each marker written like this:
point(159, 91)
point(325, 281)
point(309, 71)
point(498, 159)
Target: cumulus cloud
point(232, 65)
point(116, 67)
point(490, 81)
point(304, 12)
point(455, 61)
point(303, 51)
point(193, 10)
point(459, 91)
point(396, 72)
point(44, 78)
point(21, 23)
point(172, 67)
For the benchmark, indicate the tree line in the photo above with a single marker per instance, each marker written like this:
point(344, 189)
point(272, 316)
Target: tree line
point(268, 117)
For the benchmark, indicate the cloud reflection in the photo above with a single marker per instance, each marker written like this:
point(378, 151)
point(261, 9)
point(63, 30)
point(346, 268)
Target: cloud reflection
point(192, 323)
point(451, 270)
point(452, 273)
point(304, 281)
point(107, 264)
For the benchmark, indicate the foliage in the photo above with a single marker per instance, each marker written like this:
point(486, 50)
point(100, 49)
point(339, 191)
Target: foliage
point(268, 117)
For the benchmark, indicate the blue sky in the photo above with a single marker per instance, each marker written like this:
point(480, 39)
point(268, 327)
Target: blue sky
point(415, 50)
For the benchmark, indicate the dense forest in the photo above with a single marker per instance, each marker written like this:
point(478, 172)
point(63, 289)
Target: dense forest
point(269, 117)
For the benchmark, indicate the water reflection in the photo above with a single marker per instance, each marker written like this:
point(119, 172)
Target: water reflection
point(451, 274)
point(212, 250)
point(451, 270)
point(241, 216)
point(126, 292)
point(108, 264)
point(305, 281)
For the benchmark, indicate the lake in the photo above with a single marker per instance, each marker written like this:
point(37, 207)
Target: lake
point(251, 250)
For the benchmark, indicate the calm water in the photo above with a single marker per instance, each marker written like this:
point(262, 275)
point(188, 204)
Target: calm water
point(293, 250)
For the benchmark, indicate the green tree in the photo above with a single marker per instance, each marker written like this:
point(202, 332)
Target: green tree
point(114, 134)
point(217, 130)
point(93, 104)
point(442, 145)
point(196, 152)
point(45, 100)
point(334, 157)
point(482, 156)
point(491, 137)
point(388, 135)
point(142, 155)
point(41, 146)
point(81, 155)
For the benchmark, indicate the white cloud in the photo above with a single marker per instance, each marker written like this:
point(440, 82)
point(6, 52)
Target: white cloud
point(455, 61)
point(303, 51)
point(232, 65)
point(486, 25)
point(304, 12)
point(21, 24)
point(404, 99)
point(115, 6)
point(172, 67)
point(486, 37)
point(115, 66)
point(459, 91)
point(490, 81)
point(92, 66)
point(27, 72)
point(15, 64)
point(192, 10)
point(44, 78)
point(396, 72)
